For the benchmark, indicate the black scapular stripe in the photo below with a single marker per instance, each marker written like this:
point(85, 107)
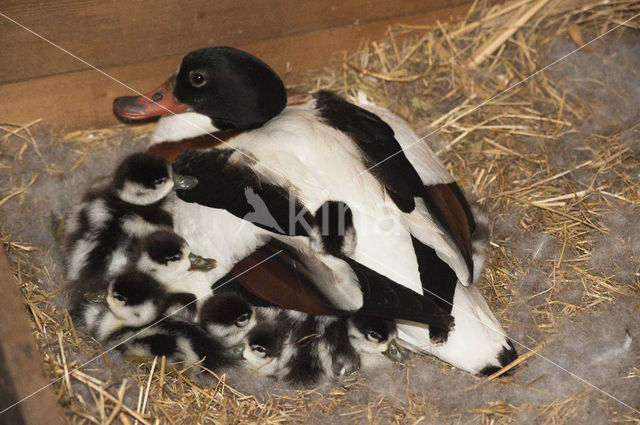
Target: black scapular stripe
point(239, 190)
point(376, 140)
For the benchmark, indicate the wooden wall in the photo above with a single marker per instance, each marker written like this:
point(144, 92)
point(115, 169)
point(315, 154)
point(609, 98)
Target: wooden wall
point(142, 42)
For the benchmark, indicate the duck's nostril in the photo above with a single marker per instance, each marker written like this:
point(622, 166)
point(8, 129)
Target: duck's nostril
point(157, 96)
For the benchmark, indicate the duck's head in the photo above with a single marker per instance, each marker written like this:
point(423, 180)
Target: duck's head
point(135, 298)
point(370, 335)
point(227, 317)
point(166, 256)
point(233, 88)
point(144, 179)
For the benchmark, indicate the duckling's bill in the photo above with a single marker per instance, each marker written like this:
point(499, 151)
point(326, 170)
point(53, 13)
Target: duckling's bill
point(201, 263)
point(96, 297)
point(237, 351)
point(184, 182)
point(159, 101)
point(395, 353)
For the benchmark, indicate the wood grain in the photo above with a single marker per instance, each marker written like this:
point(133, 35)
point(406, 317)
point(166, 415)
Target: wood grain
point(83, 99)
point(116, 33)
point(21, 370)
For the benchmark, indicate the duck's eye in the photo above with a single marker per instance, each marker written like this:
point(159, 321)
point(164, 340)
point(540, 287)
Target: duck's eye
point(173, 258)
point(242, 320)
point(373, 335)
point(197, 79)
point(259, 349)
point(119, 297)
point(161, 180)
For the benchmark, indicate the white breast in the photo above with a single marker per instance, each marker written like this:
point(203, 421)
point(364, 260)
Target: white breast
point(172, 128)
point(215, 233)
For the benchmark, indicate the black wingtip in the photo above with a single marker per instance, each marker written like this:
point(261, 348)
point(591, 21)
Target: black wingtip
point(506, 356)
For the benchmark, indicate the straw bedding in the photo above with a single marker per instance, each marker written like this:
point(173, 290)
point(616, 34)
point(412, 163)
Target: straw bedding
point(554, 160)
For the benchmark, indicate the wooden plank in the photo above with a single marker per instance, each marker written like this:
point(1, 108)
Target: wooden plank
point(83, 99)
point(21, 370)
point(117, 32)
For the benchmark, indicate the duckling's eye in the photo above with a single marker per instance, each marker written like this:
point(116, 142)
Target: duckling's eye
point(197, 79)
point(159, 181)
point(374, 335)
point(119, 297)
point(259, 349)
point(242, 320)
point(173, 258)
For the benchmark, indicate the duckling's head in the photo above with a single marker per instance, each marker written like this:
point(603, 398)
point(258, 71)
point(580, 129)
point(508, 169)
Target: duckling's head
point(227, 317)
point(370, 335)
point(144, 179)
point(233, 88)
point(166, 256)
point(135, 298)
point(263, 346)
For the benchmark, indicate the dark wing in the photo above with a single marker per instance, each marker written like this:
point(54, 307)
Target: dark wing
point(386, 299)
point(377, 142)
point(235, 187)
point(292, 279)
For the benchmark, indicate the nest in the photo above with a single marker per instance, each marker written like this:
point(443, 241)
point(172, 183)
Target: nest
point(551, 155)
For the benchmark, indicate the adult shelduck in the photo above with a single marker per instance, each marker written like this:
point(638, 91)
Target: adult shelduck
point(281, 162)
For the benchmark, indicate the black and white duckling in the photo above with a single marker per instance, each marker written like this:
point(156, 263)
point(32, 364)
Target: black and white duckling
point(133, 299)
point(227, 317)
point(304, 349)
point(412, 220)
point(102, 229)
point(374, 340)
point(136, 317)
point(269, 347)
point(177, 339)
point(333, 232)
point(167, 257)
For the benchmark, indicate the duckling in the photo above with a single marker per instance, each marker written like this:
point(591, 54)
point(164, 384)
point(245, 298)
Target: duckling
point(227, 317)
point(166, 256)
point(326, 355)
point(330, 346)
point(303, 349)
point(133, 318)
point(177, 339)
point(374, 340)
point(333, 232)
point(102, 229)
point(133, 299)
point(268, 347)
